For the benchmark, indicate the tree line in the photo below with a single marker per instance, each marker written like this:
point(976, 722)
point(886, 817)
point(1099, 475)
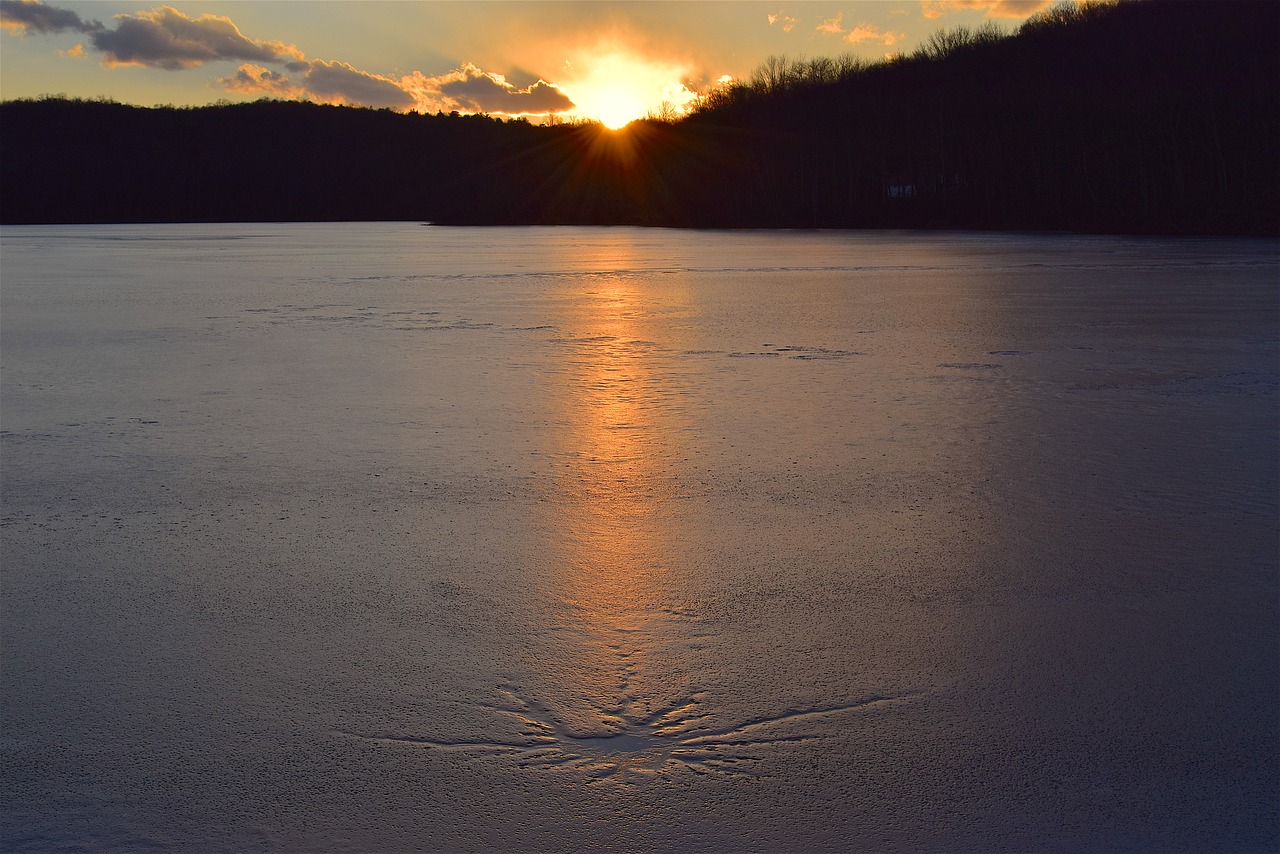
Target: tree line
point(1144, 116)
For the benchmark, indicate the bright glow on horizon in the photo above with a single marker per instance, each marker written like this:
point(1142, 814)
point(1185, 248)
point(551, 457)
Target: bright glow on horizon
point(616, 87)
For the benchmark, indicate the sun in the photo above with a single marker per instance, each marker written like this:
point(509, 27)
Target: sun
point(615, 106)
point(616, 87)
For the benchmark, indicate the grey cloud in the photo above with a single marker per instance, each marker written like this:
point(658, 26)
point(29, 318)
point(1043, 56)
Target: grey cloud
point(162, 38)
point(340, 80)
point(36, 17)
point(483, 93)
point(166, 38)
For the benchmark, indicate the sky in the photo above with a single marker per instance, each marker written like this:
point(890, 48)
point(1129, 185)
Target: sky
point(606, 61)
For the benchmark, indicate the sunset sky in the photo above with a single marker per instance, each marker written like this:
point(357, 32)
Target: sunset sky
point(612, 61)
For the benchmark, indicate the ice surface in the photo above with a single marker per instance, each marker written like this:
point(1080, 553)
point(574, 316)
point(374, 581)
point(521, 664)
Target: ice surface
point(365, 537)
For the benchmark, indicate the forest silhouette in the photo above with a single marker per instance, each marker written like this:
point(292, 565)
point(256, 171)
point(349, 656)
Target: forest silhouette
point(1149, 116)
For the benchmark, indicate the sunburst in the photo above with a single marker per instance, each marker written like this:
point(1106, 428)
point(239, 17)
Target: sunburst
point(616, 87)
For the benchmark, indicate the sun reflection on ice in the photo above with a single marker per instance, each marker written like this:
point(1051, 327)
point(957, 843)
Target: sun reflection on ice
point(614, 555)
point(615, 683)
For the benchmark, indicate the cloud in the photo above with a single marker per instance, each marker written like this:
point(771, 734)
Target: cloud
point(474, 90)
point(338, 82)
point(166, 38)
point(788, 22)
point(832, 25)
point(324, 82)
point(162, 38)
point(871, 33)
point(467, 89)
point(933, 9)
point(257, 80)
point(32, 16)
point(862, 32)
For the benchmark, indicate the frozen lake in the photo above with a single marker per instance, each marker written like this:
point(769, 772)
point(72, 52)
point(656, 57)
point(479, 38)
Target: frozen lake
point(378, 537)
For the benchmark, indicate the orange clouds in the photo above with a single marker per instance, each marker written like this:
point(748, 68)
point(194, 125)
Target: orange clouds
point(933, 9)
point(832, 25)
point(860, 33)
point(870, 33)
point(788, 22)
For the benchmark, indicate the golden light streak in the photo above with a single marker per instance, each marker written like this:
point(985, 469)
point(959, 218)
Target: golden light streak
point(622, 656)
